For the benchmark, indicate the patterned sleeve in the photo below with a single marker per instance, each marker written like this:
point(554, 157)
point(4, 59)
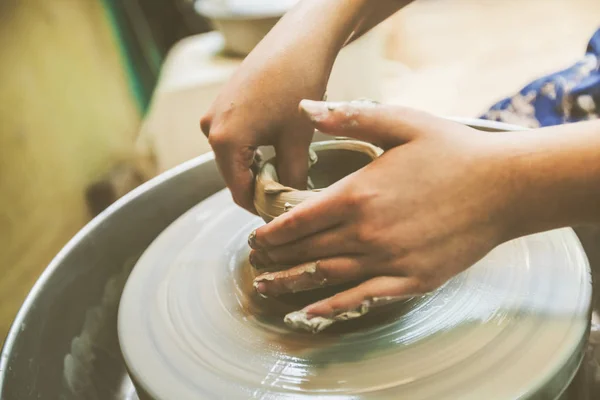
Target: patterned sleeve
point(570, 95)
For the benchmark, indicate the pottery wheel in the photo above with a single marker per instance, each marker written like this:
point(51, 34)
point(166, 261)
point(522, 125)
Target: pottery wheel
point(190, 327)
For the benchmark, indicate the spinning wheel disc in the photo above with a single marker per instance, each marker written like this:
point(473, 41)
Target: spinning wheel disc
point(190, 326)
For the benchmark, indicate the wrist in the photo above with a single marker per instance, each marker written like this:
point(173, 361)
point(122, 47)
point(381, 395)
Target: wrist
point(305, 44)
point(552, 178)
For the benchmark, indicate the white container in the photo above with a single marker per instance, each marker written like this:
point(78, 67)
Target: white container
point(195, 70)
point(243, 24)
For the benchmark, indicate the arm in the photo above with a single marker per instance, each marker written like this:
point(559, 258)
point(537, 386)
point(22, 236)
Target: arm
point(332, 22)
point(311, 34)
point(556, 177)
point(258, 106)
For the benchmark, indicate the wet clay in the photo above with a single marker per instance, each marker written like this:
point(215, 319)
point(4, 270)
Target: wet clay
point(329, 162)
point(192, 327)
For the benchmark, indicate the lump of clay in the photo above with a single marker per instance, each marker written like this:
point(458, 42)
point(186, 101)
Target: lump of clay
point(329, 161)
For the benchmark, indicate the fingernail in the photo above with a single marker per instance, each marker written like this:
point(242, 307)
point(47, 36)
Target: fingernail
point(259, 259)
point(317, 111)
point(252, 240)
point(261, 289)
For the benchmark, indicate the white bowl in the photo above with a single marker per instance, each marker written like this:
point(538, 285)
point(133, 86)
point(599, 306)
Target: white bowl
point(243, 24)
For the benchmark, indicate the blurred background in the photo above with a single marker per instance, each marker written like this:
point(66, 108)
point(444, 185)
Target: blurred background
point(97, 96)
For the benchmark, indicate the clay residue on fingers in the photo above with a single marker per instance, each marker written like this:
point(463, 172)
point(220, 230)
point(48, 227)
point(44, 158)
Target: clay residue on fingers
point(366, 102)
point(252, 240)
point(318, 112)
point(353, 107)
point(270, 178)
point(301, 320)
point(298, 279)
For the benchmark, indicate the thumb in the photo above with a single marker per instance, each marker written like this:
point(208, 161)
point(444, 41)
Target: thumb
point(292, 164)
point(384, 125)
point(293, 155)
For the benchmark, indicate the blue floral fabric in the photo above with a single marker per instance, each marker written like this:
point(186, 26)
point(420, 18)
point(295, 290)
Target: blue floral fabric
point(566, 96)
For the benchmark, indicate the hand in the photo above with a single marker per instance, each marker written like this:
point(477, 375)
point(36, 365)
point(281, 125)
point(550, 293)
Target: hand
point(258, 108)
point(437, 201)
point(259, 105)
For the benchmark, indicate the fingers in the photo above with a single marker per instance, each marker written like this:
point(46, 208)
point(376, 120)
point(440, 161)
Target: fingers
point(236, 162)
point(234, 158)
point(384, 125)
point(308, 218)
point(235, 165)
point(374, 292)
point(325, 244)
point(352, 303)
point(292, 160)
point(205, 123)
point(309, 276)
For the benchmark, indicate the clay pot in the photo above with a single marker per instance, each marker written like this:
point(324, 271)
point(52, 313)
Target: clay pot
point(329, 162)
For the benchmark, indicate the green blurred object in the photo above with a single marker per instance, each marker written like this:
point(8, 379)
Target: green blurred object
point(146, 30)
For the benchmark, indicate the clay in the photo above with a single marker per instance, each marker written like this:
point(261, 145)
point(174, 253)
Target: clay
point(349, 109)
point(329, 161)
point(337, 158)
point(301, 320)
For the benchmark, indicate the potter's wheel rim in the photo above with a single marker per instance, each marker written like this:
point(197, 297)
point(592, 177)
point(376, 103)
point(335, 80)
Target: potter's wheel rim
point(571, 366)
point(59, 260)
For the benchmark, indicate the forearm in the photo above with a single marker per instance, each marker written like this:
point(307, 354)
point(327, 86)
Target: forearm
point(556, 177)
point(314, 30)
point(337, 21)
point(309, 37)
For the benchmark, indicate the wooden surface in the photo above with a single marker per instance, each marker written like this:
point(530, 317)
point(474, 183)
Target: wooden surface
point(66, 115)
